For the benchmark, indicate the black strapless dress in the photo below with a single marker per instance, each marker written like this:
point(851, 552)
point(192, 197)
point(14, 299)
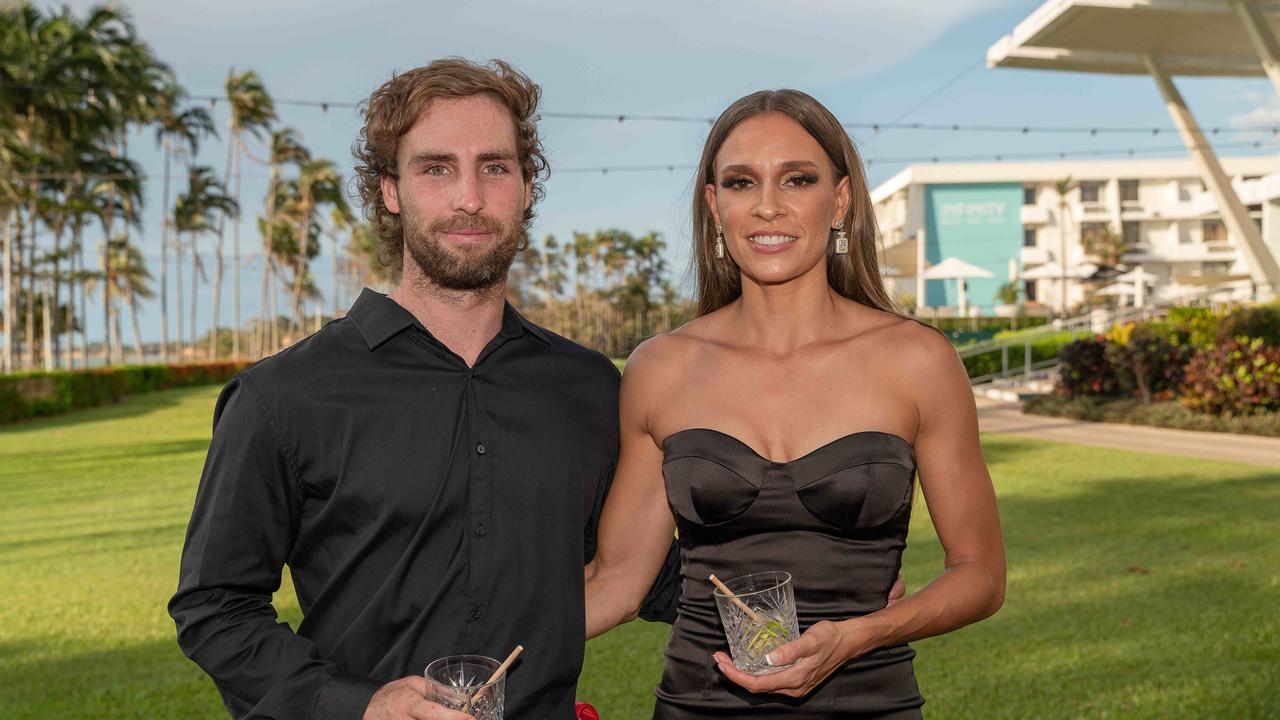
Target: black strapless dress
point(836, 519)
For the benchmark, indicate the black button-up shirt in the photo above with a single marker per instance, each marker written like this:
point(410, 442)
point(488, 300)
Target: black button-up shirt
point(424, 508)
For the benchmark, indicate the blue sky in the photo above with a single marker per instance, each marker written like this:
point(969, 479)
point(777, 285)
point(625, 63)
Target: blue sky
point(869, 61)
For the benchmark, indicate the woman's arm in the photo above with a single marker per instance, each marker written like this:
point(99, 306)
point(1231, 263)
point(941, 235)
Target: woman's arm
point(962, 505)
point(636, 525)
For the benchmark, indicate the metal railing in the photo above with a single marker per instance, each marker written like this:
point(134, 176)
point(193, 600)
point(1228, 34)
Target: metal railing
point(1095, 321)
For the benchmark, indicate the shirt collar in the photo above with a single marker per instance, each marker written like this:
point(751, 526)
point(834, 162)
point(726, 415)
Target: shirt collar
point(379, 318)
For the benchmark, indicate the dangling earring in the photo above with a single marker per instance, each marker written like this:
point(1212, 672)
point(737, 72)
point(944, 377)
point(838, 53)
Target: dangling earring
point(842, 240)
point(719, 242)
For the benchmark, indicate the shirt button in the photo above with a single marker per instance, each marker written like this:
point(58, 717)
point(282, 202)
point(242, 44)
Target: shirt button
point(481, 531)
point(480, 448)
point(475, 612)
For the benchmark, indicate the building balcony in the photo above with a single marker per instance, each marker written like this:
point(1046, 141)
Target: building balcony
point(1033, 215)
point(1032, 255)
point(1195, 252)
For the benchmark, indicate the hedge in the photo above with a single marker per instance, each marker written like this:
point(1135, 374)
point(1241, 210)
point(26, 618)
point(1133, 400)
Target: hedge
point(1045, 347)
point(41, 394)
point(1167, 414)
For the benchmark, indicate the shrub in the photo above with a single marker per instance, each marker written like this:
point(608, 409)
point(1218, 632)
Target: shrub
point(1086, 369)
point(1237, 377)
point(1042, 348)
point(990, 324)
point(1157, 414)
point(1261, 321)
point(1148, 362)
point(39, 394)
point(1195, 326)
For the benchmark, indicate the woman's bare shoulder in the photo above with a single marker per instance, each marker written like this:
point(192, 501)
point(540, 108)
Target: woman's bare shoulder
point(667, 353)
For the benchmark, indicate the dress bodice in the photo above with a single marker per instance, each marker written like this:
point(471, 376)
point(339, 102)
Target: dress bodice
point(835, 518)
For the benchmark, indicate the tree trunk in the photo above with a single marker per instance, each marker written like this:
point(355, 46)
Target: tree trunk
point(269, 262)
point(8, 292)
point(84, 300)
point(106, 284)
point(164, 261)
point(131, 299)
point(233, 145)
point(216, 299)
point(303, 242)
point(1062, 259)
point(235, 268)
point(334, 245)
point(31, 299)
point(195, 288)
point(47, 320)
point(275, 310)
point(177, 292)
point(69, 319)
point(59, 226)
point(30, 345)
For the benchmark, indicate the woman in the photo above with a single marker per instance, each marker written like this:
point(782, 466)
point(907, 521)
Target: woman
point(782, 430)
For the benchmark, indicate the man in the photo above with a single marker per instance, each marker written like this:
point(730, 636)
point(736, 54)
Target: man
point(430, 467)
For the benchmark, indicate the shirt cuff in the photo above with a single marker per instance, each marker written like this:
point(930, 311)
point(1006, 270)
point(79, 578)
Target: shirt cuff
point(344, 697)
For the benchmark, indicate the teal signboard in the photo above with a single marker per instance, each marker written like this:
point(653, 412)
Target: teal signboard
point(980, 223)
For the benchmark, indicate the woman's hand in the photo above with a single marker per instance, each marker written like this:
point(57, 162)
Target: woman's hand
point(820, 651)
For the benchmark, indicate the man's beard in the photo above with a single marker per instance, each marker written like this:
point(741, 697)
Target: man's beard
point(467, 269)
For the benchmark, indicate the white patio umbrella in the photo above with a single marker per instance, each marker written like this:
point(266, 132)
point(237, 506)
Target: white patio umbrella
point(1053, 271)
point(953, 268)
point(1118, 289)
point(1140, 278)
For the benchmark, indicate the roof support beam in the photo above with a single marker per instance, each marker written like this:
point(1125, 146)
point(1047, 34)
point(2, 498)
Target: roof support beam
point(1262, 39)
point(1262, 264)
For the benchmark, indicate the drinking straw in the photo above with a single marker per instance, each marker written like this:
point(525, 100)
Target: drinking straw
point(496, 674)
point(755, 617)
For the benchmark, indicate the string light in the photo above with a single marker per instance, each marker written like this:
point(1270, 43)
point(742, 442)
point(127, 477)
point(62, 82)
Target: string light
point(873, 126)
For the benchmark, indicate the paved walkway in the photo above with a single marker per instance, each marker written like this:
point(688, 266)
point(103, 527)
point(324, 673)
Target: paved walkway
point(1004, 417)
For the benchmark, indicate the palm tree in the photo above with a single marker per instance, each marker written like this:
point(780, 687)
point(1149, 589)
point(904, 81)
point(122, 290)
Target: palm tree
point(1063, 187)
point(252, 111)
point(318, 184)
point(286, 148)
point(198, 211)
point(179, 132)
point(132, 280)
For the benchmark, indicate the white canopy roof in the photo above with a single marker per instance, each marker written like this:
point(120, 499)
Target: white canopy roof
point(1191, 37)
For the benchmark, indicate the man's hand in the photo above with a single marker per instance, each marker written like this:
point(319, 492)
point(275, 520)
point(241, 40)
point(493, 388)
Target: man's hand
point(406, 698)
point(897, 591)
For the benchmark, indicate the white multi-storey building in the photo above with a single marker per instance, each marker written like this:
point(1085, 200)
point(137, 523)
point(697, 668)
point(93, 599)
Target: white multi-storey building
point(1010, 219)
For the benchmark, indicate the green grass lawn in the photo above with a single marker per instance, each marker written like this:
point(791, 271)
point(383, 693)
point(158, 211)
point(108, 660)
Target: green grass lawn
point(1139, 586)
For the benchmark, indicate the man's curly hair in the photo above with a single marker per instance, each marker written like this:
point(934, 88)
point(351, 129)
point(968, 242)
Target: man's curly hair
point(393, 108)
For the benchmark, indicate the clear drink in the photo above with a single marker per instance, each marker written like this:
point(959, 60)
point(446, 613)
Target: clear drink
point(766, 623)
point(459, 682)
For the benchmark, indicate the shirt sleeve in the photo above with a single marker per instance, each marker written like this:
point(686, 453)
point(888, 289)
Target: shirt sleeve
point(242, 528)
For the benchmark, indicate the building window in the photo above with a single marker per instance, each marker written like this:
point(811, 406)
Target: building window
point(1090, 192)
point(1090, 232)
point(1029, 290)
point(1213, 231)
point(1216, 269)
point(1028, 237)
point(1029, 195)
point(1130, 233)
point(1128, 192)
